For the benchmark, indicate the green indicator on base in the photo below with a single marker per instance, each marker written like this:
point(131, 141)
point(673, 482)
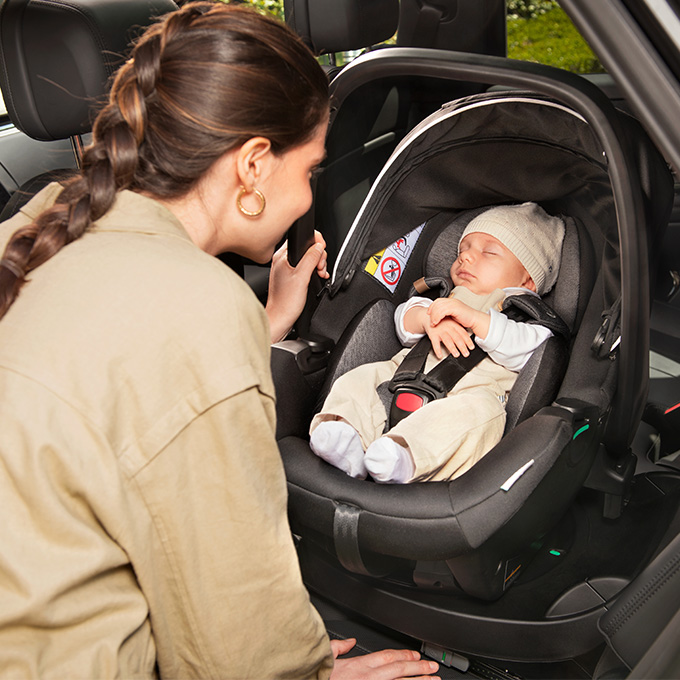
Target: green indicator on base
point(580, 431)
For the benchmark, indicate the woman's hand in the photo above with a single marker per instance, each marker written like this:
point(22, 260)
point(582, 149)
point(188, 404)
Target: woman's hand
point(389, 664)
point(288, 285)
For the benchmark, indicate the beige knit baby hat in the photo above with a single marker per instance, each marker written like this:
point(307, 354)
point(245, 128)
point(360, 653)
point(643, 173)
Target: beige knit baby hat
point(530, 234)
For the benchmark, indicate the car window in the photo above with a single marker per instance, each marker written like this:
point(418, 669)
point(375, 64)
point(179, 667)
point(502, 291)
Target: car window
point(542, 32)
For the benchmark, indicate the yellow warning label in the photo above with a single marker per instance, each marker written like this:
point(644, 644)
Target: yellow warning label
point(373, 262)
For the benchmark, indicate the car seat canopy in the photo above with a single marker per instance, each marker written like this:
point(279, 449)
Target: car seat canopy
point(483, 151)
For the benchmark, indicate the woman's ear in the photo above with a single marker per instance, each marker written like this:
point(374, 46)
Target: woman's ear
point(250, 160)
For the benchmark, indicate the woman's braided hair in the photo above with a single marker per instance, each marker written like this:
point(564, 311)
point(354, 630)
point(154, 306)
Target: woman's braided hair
point(200, 82)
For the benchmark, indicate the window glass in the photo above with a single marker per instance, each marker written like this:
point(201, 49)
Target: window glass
point(274, 7)
point(541, 31)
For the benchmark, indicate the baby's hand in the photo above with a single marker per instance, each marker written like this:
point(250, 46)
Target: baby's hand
point(443, 308)
point(451, 335)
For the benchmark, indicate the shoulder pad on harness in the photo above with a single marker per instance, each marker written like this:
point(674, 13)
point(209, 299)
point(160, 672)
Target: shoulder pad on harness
point(538, 312)
point(432, 287)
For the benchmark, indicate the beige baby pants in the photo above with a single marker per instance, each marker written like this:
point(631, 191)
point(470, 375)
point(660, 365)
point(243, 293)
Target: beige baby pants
point(447, 436)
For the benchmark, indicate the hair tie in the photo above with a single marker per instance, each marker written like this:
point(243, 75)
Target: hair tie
point(13, 267)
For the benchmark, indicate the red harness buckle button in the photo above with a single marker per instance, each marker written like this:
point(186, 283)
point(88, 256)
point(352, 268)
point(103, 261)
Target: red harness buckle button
point(407, 401)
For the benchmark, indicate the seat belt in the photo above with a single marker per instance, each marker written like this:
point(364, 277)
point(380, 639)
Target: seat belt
point(412, 388)
point(426, 27)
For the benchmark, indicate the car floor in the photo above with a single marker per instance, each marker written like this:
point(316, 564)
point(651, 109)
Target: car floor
point(372, 638)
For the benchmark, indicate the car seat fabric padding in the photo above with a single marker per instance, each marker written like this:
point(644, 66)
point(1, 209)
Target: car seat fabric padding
point(430, 521)
point(370, 337)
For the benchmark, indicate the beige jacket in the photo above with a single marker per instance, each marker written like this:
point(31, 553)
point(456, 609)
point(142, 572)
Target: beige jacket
point(143, 498)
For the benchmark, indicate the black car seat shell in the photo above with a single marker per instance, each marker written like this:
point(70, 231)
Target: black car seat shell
point(422, 181)
point(570, 151)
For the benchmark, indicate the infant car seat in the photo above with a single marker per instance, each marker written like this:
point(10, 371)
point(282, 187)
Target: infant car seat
point(432, 559)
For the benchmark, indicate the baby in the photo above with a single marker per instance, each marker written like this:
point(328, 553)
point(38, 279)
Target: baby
point(506, 250)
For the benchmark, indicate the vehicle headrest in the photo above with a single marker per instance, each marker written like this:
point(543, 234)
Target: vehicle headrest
point(57, 57)
point(341, 25)
point(478, 27)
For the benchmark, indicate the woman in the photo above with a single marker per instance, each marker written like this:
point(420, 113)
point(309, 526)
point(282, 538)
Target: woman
point(145, 498)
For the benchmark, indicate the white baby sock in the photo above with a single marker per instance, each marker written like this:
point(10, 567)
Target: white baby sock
point(388, 462)
point(339, 444)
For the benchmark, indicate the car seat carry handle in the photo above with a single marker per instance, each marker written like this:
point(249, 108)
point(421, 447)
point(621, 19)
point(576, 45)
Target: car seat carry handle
point(301, 237)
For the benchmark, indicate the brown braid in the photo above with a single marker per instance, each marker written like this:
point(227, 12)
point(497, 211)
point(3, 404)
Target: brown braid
point(200, 83)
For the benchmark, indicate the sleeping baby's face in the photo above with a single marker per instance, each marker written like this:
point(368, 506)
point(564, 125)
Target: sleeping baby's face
point(485, 264)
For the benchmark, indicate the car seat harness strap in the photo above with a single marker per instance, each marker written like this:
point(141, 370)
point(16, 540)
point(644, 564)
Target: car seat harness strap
point(412, 388)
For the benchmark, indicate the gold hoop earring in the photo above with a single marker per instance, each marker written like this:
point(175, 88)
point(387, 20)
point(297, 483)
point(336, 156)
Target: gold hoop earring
point(251, 213)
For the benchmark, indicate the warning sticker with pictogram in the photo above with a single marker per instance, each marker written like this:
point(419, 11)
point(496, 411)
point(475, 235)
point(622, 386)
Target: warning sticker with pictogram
point(390, 270)
point(388, 265)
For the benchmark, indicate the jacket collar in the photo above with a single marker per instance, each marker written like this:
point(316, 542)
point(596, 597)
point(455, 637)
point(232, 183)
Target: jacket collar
point(131, 212)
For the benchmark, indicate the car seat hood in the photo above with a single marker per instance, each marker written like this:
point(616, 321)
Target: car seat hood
point(485, 150)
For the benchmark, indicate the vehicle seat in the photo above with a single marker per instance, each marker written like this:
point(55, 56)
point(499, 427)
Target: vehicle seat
point(642, 625)
point(477, 27)
point(56, 61)
point(328, 26)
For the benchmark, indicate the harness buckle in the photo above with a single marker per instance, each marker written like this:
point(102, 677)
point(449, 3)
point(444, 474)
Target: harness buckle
point(409, 397)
